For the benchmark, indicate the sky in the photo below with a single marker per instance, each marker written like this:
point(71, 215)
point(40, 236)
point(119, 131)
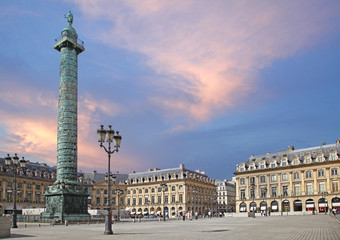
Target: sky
point(205, 83)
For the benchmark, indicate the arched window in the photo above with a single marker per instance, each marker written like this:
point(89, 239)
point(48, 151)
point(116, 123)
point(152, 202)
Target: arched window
point(273, 164)
point(308, 159)
point(263, 165)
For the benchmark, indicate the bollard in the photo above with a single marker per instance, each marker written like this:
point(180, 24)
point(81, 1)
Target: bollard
point(66, 222)
point(39, 225)
point(25, 225)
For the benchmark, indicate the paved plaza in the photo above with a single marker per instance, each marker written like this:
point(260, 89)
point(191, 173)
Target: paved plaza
point(316, 227)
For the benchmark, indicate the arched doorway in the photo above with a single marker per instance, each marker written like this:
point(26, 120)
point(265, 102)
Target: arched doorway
point(180, 211)
point(152, 211)
point(263, 206)
point(336, 203)
point(297, 205)
point(173, 211)
point(243, 207)
point(310, 206)
point(274, 206)
point(323, 205)
point(159, 211)
point(166, 211)
point(285, 206)
point(146, 211)
point(252, 206)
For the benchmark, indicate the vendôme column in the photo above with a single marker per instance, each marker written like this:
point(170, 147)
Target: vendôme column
point(66, 199)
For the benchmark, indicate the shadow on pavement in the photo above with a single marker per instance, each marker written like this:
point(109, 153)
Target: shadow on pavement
point(20, 236)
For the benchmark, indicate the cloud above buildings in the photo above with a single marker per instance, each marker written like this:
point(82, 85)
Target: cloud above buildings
point(207, 54)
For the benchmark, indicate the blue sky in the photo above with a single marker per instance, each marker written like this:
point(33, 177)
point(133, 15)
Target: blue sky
point(204, 83)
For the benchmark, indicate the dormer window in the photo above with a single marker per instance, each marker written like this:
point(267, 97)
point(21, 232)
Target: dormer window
point(284, 163)
point(334, 156)
point(308, 159)
point(263, 165)
point(241, 169)
point(273, 165)
point(252, 167)
point(296, 161)
point(320, 158)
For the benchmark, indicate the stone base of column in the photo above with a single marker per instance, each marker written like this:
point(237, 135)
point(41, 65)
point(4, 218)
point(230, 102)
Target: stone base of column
point(66, 203)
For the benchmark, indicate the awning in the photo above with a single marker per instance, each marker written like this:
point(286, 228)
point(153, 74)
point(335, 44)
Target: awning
point(173, 211)
point(252, 208)
point(152, 212)
point(139, 212)
point(322, 204)
point(274, 207)
point(180, 211)
point(243, 209)
point(145, 212)
point(310, 205)
point(263, 208)
point(336, 204)
point(133, 213)
point(159, 212)
point(127, 209)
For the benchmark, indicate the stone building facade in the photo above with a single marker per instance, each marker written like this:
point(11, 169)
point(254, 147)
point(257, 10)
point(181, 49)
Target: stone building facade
point(226, 195)
point(290, 180)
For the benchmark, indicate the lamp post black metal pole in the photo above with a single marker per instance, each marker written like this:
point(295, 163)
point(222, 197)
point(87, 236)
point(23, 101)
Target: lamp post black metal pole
point(253, 196)
point(163, 186)
point(110, 136)
point(118, 193)
point(15, 161)
point(281, 204)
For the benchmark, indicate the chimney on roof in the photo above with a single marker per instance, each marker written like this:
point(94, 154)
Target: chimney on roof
point(117, 171)
point(156, 169)
point(95, 171)
point(198, 171)
point(150, 169)
point(181, 165)
point(290, 148)
point(252, 155)
point(268, 153)
point(133, 171)
point(338, 141)
point(203, 172)
point(324, 143)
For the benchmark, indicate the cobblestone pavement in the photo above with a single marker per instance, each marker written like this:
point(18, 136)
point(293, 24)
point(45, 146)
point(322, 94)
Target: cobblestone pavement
point(311, 227)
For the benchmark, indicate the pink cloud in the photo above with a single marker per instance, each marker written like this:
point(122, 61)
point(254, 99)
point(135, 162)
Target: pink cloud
point(30, 122)
point(218, 47)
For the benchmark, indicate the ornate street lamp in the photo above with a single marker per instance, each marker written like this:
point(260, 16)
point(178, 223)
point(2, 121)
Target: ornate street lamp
point(164, 187)
point(110, 137)
point(118, 192)
point(17, 165)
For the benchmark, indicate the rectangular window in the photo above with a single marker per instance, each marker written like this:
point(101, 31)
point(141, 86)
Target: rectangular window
point(263, 192)
point(105, 201)
point(152, 199)
point(309, 188)
point(114, 200)
point(273, 191)
point(98, 200)
point(321, 173)
point(284, 177)
point(273, 178)
point(140, 200)
point(297, 189)
point(285, 190)
point(146, 199)
point(334, 172)
point(98, 191)
point(105, 191)
point(242, 181)
point(180, 198)
point(296, 175)
point(134, 201)
point(322, 187)
point(159, 199)
point(37, 197)
point(128, 201)
point(9, 184)
point(308, 174)
point(252, 180)
point(243, 194)
point(37, 187)
point(166, 199)
point(173, 199)
point(335, 186)
point(263, 179)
